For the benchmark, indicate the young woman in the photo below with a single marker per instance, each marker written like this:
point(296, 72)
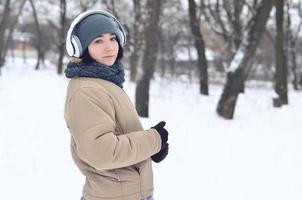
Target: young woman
point(108, 142)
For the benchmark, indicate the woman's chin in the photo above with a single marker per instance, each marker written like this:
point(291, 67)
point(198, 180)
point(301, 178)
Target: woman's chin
point(107, 62)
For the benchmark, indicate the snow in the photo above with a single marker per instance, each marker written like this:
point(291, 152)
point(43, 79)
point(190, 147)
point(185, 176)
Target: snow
point(236, 61)
point(183, 54)
point(253, 157)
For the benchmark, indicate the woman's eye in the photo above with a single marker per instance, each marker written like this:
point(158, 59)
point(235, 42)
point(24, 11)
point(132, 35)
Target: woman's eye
point(113, 38)
point(98, 41)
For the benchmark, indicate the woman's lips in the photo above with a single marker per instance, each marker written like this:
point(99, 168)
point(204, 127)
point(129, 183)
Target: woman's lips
point(108, 57)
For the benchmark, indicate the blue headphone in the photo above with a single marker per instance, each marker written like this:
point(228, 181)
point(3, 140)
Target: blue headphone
point(73, 44)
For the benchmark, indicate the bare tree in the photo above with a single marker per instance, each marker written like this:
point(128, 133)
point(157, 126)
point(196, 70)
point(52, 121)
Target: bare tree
point(227, 20)
point(87, 4)
point(239, 67)
point(38, 47)
point(281, 69)
point(200, 47)
point(61, 46)
point(3, 27)
point(12, 25)
point(292, 36)
point(10, 17)
point(136, 39)
point(111, 7)
point(149, 57)
point(174, 35)
point(60, 32)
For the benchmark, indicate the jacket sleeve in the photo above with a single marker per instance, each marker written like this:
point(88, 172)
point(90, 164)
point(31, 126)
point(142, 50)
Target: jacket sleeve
point(91, 120)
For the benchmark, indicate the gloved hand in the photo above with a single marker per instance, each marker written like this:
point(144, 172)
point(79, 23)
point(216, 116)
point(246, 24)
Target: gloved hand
point(162, 131)
point(162, 154)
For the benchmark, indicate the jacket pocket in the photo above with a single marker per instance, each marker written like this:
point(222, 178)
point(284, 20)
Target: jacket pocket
point(104, 185)
point(130, 180)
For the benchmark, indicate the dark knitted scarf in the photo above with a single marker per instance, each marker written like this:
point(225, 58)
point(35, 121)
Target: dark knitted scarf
point(114, 73)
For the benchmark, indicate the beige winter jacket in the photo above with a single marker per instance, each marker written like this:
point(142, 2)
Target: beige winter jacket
point(108, 143)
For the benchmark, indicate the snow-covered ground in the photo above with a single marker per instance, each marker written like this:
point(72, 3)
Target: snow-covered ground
point(253, 157)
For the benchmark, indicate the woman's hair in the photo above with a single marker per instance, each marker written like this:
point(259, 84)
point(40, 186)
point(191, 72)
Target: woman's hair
point(86, 58)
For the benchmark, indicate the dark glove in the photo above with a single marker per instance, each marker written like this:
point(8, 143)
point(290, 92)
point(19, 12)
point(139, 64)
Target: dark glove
point(162, 131)
point(162, 154)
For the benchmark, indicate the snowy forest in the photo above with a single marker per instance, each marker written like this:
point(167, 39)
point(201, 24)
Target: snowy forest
point(226, 76)
point(229, 42)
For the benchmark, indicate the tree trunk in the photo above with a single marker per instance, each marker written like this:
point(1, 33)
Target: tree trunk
point(191, 62)
point(149, 57)
point(292, 43)
point(61, 46)
point(281, 70)
point(294, 66)
point(9, 40)
point(200, 48)
point(134, 57)
point(39, 52)
point(24, 51)
point(162, 50)
point(227, 17)
point(3, 26)
point(239, 67)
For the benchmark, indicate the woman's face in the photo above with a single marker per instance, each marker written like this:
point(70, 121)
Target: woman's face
point(104, 49)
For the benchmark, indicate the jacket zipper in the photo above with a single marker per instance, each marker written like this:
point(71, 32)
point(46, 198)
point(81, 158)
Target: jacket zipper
point(140, 180)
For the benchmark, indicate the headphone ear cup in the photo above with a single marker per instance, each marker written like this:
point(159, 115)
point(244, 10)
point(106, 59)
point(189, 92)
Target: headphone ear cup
point(69, 46)
point(121, 33)
point(78, 50)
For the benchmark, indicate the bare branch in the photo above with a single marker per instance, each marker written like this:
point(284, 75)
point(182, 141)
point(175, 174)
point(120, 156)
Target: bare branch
point(53, 25)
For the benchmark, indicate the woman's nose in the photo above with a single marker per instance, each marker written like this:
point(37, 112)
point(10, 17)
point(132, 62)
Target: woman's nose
point(108, 45)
